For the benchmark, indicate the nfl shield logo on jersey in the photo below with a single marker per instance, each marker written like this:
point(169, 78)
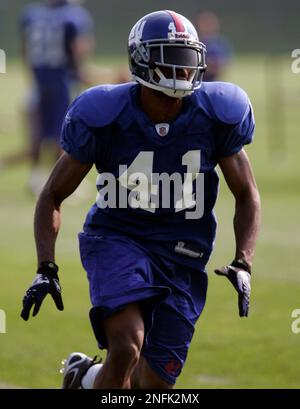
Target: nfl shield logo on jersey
point(162, 129)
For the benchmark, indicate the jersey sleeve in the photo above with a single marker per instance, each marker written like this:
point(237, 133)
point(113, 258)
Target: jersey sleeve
point(77, 139)
point(232, 138)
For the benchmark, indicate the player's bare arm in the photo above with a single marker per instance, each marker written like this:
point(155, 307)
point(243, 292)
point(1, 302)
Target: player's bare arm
point(240, 179)
point(63, 181)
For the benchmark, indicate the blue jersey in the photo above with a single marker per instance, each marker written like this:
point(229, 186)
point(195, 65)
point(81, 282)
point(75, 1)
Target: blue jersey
point(106, 126)
point(48, 33)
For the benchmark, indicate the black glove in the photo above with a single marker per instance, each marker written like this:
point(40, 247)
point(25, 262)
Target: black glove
point(239, 274)
point(46, 281)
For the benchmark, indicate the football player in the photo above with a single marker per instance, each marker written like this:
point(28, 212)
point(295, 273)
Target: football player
point(145, 244)
point(219, 51)
point(56, 38)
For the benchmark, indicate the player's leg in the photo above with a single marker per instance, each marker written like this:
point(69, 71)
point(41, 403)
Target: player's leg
point(165, 351)
point(33, 119)
point(54, 103)
point(124, 332)
point(30, 118)
point(120, 279)
point(144, 377)
point(38, 176)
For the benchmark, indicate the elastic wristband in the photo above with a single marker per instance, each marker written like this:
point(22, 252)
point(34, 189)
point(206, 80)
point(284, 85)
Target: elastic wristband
point(241, 263)
point(48, 268)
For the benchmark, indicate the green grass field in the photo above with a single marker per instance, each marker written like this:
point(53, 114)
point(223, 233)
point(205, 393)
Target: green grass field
point(227, 352)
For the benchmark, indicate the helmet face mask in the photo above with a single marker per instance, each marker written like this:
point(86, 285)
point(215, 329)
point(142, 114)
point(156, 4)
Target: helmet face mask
point(158, 61)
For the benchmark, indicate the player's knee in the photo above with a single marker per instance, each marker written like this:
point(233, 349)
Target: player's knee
point(125, 345)
point(125, 353)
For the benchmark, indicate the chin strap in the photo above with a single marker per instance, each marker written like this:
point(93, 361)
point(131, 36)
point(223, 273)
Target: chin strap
point(170, 92)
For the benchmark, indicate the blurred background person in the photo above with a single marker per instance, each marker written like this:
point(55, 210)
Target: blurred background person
point(219, 51)
point(123, 75)
point(56, 39)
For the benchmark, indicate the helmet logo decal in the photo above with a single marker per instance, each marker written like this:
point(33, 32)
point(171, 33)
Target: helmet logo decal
point(177, 27)
point(162, 129)
point(136, 33)
point(172, 34)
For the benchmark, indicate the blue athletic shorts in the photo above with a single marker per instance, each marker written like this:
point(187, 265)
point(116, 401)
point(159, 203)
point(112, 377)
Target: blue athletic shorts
point(122, 271)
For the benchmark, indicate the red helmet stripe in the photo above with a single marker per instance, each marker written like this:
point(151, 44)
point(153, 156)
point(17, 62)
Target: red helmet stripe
point(177, 20)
